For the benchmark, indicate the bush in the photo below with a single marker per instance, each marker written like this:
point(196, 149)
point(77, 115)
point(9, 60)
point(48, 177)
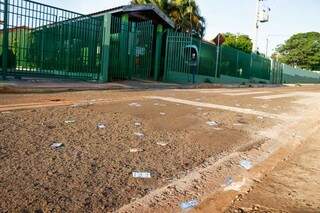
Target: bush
point(12, 60)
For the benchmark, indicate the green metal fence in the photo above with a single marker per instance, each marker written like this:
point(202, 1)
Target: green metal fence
point(276, 72)
point(117, 61)
point(212, 63)
point(292, 75)
point(143, 49)
point(41, 40)
point(177, 57)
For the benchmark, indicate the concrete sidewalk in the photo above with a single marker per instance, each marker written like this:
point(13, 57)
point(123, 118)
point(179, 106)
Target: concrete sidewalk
point(53, 85)
point(49, 85)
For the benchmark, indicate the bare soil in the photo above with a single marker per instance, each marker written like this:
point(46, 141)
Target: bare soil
point(293, 186)
point(92, 172)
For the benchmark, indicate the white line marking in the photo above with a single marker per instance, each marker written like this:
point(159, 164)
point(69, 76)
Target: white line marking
point(224, 91)
point(216, 106)
point(245, 93)
point(212, 90)
point(287, 95)
point(268, 97)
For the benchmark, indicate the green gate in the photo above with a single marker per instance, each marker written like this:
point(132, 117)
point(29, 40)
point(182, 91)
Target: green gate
point(142, 49)
point(131, 49)
point(177, 56)
point(41, 40)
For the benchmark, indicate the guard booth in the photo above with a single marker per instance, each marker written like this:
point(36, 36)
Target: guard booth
point(136, 35)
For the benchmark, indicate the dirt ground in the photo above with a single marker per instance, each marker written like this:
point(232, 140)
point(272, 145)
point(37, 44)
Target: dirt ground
point(92, 172)
point(293, 186)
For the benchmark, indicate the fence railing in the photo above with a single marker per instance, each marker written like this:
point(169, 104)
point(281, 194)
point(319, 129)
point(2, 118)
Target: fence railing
point(42, 40)
point(292, 75)
point(212, 63)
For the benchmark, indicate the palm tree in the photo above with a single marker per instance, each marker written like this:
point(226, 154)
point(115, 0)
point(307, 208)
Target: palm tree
point(164, 5)
point(185, 14)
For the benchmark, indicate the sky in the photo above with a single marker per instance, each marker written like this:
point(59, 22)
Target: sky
point(287, 17)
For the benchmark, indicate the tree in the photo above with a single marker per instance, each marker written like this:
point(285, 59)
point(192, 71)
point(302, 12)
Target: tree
point(185, 14)
point(240, 42)
point(302, 50)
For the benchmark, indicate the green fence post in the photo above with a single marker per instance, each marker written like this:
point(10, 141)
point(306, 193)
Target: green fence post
point(132, 48)
point(124, 45)
point(5, 41)
point(105, 48)
point(157, 56)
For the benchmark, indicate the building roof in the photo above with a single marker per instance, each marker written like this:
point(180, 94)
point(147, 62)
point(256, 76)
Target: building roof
point(144, 12)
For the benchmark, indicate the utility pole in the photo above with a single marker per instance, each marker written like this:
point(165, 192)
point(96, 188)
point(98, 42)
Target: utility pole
point(217, 58)
point(269, 40)
point(267, 46)
point(262, 16)
point(190, 17)
point(256, 27)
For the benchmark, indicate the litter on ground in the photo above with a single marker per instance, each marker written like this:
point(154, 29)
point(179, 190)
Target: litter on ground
point(260, 117)
point(135, 105)
point(138, 134)
point(247, 164)
point(212, 123)
point(134, 150)
point(235, 186)
point(82, 104)
point(228, 181)
point(57, 145)
point(137, 124)
point(189, 204)
point(6, 112)
point(162, 143)
point(70, 121)
point(101, 126)
point(141, 174)
point(162, 113)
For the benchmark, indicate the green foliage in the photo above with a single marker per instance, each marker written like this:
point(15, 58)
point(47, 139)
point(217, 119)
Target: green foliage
point(302, 50)
point(186, 15)
point(240, 42)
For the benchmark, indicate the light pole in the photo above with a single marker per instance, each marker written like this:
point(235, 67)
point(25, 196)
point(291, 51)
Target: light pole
point(268, 40)
point(261, 17)
point(256, 27)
